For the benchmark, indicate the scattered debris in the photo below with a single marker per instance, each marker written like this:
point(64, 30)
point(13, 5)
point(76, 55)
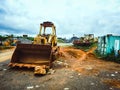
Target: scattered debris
point(116, 72)
point(66, 88)
point(86, 67)
point(59, 62)
point(30, 87)
point(92, 83)
point(110, 88)
point(66, 65)
point(71, 76)
point(4, 69)
point(89, 68)
point(96, 74)
point(112, 75)
point(51, 71)
point(37, 86)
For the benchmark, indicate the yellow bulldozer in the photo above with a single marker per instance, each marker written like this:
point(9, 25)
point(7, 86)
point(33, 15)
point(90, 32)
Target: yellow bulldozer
point(43, 38)
point(39, 55)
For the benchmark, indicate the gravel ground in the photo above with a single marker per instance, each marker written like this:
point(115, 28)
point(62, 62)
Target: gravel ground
point(64, 76)
point(61, 79)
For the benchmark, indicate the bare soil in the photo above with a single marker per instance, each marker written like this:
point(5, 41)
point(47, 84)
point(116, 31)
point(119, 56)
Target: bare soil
point(6, 54)
point(74, 70)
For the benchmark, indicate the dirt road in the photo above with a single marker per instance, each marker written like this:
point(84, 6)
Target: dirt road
point(6, 55)
point(74, 70)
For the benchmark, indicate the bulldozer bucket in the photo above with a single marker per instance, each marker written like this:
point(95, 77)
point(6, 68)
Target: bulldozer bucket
point(31, 55)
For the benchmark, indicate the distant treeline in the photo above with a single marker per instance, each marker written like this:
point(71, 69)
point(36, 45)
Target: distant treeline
point(4, 37)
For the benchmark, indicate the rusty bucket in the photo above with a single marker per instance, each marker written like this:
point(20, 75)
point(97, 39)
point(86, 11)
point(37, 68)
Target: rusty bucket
point(31, 55)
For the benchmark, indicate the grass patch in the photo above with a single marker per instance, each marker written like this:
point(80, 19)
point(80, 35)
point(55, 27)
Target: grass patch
point(112, 57)
point(108, 57)
point(60, 41)
point(85, 48)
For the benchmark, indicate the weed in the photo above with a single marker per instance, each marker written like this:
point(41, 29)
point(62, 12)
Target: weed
point(108, 57)
point(85, 48)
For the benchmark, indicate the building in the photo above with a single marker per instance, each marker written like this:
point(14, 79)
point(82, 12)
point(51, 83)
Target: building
point(108, 44)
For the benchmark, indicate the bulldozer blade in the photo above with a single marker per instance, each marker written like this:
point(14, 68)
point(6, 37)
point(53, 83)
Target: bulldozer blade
point(31, 55)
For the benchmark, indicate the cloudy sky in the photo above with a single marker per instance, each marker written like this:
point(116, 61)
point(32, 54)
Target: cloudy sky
point(77, 17)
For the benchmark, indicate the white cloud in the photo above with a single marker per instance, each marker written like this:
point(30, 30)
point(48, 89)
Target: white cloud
point(70, 16)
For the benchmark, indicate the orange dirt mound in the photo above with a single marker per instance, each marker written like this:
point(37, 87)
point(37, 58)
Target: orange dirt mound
point(86, 62)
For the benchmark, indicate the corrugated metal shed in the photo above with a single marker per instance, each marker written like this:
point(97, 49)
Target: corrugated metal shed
point(107, 44)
